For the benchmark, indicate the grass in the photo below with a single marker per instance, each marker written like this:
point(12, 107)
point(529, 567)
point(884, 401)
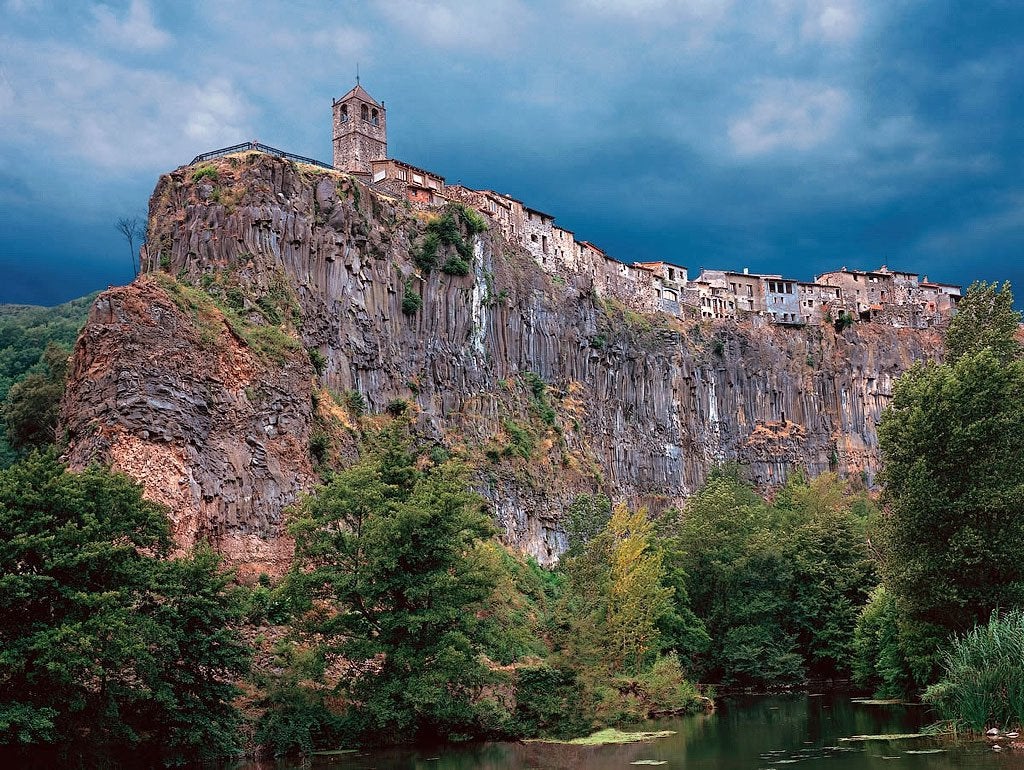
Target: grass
point(983, 676)
point(269, 342)
point(609, 736)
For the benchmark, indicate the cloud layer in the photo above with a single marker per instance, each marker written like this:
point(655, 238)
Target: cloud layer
point(783, 135)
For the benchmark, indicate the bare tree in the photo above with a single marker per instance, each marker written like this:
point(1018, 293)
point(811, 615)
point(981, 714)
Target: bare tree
point(133, 229)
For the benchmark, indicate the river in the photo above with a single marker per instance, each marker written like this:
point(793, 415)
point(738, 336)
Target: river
point(743, 734)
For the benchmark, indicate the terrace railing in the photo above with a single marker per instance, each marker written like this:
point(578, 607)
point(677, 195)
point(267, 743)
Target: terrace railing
point(258, 148)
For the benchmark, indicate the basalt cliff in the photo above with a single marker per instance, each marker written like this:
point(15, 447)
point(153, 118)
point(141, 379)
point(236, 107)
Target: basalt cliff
point(282, 310)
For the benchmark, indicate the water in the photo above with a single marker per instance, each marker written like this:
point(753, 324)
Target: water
point(770, 732)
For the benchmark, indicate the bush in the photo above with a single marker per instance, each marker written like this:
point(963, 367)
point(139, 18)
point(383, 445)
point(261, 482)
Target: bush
point(397, 407)
point(319, 443)
point(318, 360)
point(455, 266)
point(549, 701)
point(411, 301)
point(355, 402)
point(982, 681)
point(205, 172)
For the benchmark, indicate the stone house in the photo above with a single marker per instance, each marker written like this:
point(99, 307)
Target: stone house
point(406, 181)
point(782, 300)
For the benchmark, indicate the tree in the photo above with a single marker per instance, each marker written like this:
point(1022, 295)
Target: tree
point(32, 407)
point(133, 229)
point(954, 483)
point(103, 641)
point(387, 555)
point(984, 318)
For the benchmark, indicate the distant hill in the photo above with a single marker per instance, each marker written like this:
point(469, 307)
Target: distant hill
point(25, 331)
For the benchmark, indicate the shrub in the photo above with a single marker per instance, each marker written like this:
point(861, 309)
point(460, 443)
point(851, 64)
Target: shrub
point(455, 266)
point(318, 360)
point(319, 442)
point(549, 702)
point(206, 172)
point(355, 402)
point(397, 407)
point(411, 301)
point(844, 321)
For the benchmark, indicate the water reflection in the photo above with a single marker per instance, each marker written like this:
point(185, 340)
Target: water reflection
point(771, 732)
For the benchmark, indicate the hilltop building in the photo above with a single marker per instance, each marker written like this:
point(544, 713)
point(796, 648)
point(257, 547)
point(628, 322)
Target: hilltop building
point(361, 149)
point(892, 297)
point(884, 296)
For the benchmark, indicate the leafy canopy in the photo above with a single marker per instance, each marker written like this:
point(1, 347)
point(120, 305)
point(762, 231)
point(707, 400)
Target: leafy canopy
point(103, 640)
point(954, 483)
point(389, 559)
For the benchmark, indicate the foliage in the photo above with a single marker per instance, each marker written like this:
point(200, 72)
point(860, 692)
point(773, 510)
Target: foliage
point(777, 587)
point(297, 717)
point(205, 172)
point(982, 682)
point(25, 333)
point(411, 301)
point(615, 598)
point(455, 266)
point(396, 407)
point(954, 488)
point(32, 407)
point(539, 400)
point(318, 360)
point(444, 232)
point(584, 520)
point(355, 402)
point(549, 702)
point(390, 548)
point(985, 319)
point(879, 663)
point(104, 641)
point(844, 321)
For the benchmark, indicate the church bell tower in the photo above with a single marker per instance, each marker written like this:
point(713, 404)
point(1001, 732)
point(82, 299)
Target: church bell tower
point(360, 131)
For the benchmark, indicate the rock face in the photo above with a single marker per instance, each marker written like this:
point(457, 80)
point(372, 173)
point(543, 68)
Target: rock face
point(214, 411)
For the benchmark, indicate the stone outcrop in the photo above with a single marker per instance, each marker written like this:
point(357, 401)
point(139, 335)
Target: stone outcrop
point(216, 420)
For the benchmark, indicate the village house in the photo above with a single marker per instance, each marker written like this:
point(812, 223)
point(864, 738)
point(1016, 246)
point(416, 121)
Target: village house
point(894, 297)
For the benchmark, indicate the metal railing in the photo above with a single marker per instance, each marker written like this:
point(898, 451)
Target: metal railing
point(258, 148)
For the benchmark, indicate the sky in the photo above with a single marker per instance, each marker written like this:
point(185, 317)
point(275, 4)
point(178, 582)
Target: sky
point(785, 136)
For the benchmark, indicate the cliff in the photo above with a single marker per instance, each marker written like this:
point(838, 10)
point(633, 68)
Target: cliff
point(271, 316)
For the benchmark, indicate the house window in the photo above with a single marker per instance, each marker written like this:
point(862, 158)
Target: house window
point(374, 118)
point(344, 113)
point(364, 112)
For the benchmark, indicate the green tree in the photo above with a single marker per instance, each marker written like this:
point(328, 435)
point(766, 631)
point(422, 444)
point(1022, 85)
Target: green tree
point(738, 582)
point(103, 641)
point(954, 483)
point(32, 407)
point(25, 332)
point(833, 572)
point(388, 554)
point(985, 319)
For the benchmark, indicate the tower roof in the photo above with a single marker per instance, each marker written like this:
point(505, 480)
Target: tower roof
point(359, 91)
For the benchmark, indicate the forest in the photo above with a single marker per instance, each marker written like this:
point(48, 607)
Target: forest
point(404, 619)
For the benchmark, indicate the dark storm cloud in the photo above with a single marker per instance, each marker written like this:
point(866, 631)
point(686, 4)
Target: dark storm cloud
point(788, 136)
